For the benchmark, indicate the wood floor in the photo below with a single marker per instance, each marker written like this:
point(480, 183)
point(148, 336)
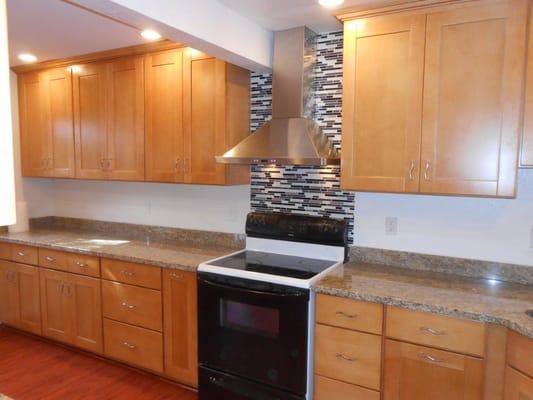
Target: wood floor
point(31, 369)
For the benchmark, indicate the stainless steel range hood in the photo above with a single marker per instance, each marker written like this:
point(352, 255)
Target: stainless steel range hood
point(291, 137)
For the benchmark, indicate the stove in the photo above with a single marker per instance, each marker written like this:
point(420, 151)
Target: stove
point(256, 309)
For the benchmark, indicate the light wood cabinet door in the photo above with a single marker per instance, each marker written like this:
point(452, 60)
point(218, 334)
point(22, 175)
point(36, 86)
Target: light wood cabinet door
point(90, 126)
point(180, 326)
point(472, 99)
point(164, 116)
point(526, 159)
point(28, 311)
point(8, 292)
point(125, 119)
point(33, 127)
point(420, 373)
point(55, 308)
point(59, 122)
point(517, 385)
point(382, 103)
point(85, 310)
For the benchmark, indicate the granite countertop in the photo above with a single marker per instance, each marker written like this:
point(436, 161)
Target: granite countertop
point(477, 299)
point(182, 255)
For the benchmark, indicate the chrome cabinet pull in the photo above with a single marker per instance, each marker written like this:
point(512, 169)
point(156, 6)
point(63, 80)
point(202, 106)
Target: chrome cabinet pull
point(81, 264)
point(345, 358)
point(127, 273)
point(128, 306)
point(412, 170)
point(21, 254)
point(50, 259)
point(178, 165)
point(431, 331)
point(426, 170)
point(176, 276)
point(129, 345)
point(429, 357)
point(344, 314)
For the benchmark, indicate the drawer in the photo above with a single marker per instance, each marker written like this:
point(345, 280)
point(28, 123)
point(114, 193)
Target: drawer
point(467, 337)
point(24, 254)
point(70, 262)
point(327, 389)
point(5, 251)
point(349, 314)
point(134, 274)
point(520, 352)
point(133, 345)
point(348, 356)
point(133, 305)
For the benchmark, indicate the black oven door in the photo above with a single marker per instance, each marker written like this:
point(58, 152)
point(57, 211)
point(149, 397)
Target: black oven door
point(254, 330)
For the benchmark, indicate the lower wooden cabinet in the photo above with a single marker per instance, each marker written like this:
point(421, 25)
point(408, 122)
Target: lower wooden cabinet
point(326, 388)
point(518, 386)
point(19, 296)
point(71, 309)
point(180, 326)
point(420, 373)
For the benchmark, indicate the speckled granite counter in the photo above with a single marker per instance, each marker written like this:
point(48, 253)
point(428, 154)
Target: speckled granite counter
point(185, 256)
point(472, 298)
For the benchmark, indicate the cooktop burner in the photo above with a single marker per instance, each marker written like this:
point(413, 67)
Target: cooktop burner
point(274, 264)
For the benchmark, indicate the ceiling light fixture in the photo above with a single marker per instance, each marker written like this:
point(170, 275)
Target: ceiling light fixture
point(330, 3)
point(150, 34)
point(27, 58)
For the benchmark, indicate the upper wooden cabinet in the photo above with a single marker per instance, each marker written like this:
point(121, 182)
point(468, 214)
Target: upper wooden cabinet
point(463, 137)
point(109, 119)
point(526, 159)
point(46, 124)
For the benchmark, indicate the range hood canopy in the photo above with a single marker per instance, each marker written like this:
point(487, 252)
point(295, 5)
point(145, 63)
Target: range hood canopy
point(291, 137)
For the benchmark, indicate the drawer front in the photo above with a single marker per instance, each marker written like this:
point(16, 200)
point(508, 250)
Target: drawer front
point(328, 389)
point(136, 346)
point(348, 356)
point(24, 254)
point(133, 305)
point(134, 274)
point(520, 352)
point(349, 314)
point(70, 262)
point(467, 337)
point(5, 251)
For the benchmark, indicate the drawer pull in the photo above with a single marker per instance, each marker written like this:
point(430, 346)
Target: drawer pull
point(344, 314)
point(128, 306)
point(429, 357)
point(81, 264)
point(431, 331)
point(176, 276)
point(129, 274)
point(50, 259)
point(345, 358)
point(21, 254)
point(129, 345)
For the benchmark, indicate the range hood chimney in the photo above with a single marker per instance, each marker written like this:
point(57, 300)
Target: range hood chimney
point(291, 137)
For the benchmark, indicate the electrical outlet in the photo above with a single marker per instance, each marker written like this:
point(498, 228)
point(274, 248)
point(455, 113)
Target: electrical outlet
point(391, 225)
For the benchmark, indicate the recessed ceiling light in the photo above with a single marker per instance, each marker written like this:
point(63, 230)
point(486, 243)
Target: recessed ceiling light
point(150, 34)
point(330, 3)
point(27, 58)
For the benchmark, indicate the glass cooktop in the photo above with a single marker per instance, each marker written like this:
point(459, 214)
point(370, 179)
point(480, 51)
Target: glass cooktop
point(274, 264)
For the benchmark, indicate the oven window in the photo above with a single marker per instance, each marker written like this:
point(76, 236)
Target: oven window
point(249, 318)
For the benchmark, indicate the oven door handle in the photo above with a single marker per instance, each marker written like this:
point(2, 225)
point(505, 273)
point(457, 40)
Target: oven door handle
point(244, 290)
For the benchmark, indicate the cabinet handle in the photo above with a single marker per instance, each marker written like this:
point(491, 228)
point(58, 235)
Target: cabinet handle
point(178, 165)
point(412, 170)
point(176, 276)
point(21, 254)
point(50, 259)
point(426, 170)
point(345, 358)
point(81, 264)
point(61, 287)
point(431, 331)
point(129, 345)
point(344, 314)
point(429, 357)
point(127, 306)
point(127, 273)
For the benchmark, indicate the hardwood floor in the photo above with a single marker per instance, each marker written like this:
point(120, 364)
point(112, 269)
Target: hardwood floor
point(31, 369)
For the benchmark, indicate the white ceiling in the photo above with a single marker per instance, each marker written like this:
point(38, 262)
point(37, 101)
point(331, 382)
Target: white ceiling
point(284, 14)
point(53, 29)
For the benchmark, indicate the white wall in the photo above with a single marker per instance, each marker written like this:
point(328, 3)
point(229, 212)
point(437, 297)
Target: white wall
point(479, 228)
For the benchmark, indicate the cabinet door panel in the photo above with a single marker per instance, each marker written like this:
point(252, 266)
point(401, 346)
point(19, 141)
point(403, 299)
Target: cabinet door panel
point(8, 293)
point(89, 120)
point(472, 99)
point(527, 140)
point(383, 75)
point(29, 311)
point(517, 385)
point(125, 104)
point(33, 131)
point(420, 373)
point(54, 306)
point(164, 116)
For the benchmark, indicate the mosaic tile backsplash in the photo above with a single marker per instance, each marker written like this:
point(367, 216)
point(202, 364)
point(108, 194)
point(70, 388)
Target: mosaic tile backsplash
point(304, 189)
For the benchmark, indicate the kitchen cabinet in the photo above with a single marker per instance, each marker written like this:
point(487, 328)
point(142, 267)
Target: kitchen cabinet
point(216, 112)
point(415, 372)
point(71, 309)
point(46, 123)
point(465, 128)
point(19, 295)
point(526, 159)
point(109, 119)
point(180, 326)
point(518, 386)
